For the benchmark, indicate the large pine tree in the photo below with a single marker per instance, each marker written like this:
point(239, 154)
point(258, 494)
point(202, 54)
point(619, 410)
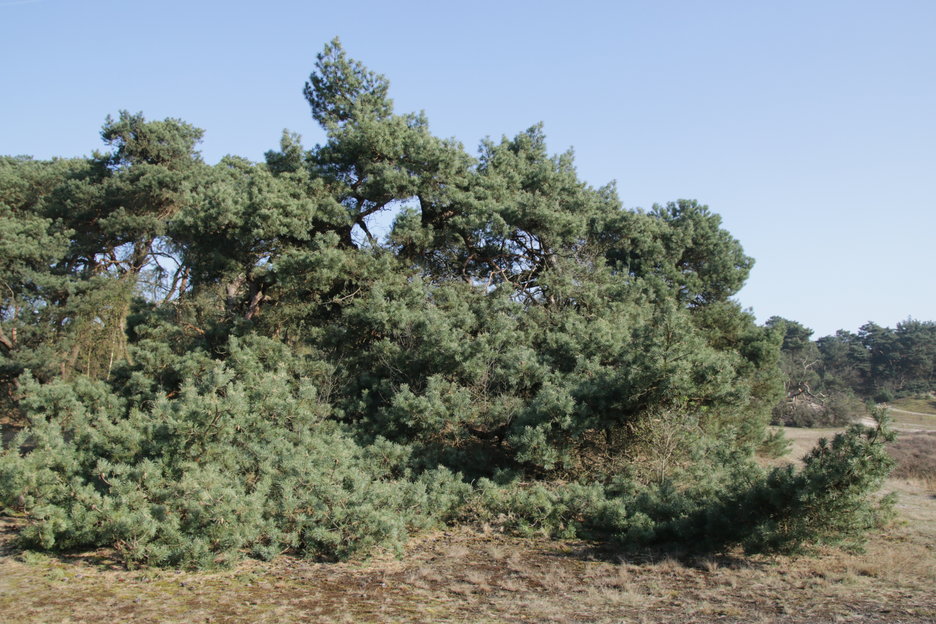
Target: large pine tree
point(213, 359)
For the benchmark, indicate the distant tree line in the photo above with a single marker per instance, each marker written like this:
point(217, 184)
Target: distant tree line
point(218, 360)
point(829, 379)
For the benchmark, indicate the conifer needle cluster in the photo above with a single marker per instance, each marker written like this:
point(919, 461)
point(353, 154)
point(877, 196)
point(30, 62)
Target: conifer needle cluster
point(214, 361)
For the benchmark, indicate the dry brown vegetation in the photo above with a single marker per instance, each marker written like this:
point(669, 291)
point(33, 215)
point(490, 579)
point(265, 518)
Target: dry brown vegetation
point(483, 576)
point(470, 576)
point(915, 454)
point(915, 448)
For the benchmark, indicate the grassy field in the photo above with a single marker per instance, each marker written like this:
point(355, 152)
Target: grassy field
point(479, 575)
point(922, 404)
point(914, 413)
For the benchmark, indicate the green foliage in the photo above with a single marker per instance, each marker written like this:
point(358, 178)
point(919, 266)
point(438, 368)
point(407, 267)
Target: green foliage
point(828, 378)
point(244, 459)
point(837, 410)
point(900, 361)
point(342, 88)
point(829, 501)
point(224, 360)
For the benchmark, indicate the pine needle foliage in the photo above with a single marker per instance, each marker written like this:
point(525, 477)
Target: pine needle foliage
point(216, 361)
point(244, 460)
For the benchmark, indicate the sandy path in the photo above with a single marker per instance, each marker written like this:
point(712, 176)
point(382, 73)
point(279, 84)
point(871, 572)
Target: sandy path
point(902, 411)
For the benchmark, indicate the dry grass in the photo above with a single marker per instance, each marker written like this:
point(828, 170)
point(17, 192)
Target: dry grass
point(914, 414)
point(922, 404)
point(915, 454)
point(483, 576)
point(802, 440)
point(473, 576)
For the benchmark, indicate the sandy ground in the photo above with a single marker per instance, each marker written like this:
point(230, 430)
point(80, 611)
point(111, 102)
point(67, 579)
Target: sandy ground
point(479, 575)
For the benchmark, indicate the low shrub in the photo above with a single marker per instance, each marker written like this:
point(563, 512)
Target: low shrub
point(836, 411)
point(247, 459)
point(914, 456)
point(241, 461)
point(829, 501)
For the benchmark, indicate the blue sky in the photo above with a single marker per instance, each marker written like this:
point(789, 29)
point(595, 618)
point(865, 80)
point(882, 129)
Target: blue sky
point(810, 127)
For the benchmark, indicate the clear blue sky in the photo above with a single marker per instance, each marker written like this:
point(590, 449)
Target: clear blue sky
point(810, 126)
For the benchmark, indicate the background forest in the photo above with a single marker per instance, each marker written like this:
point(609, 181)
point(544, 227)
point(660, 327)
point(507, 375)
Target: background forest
point(222, 360)
point(830, 380)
